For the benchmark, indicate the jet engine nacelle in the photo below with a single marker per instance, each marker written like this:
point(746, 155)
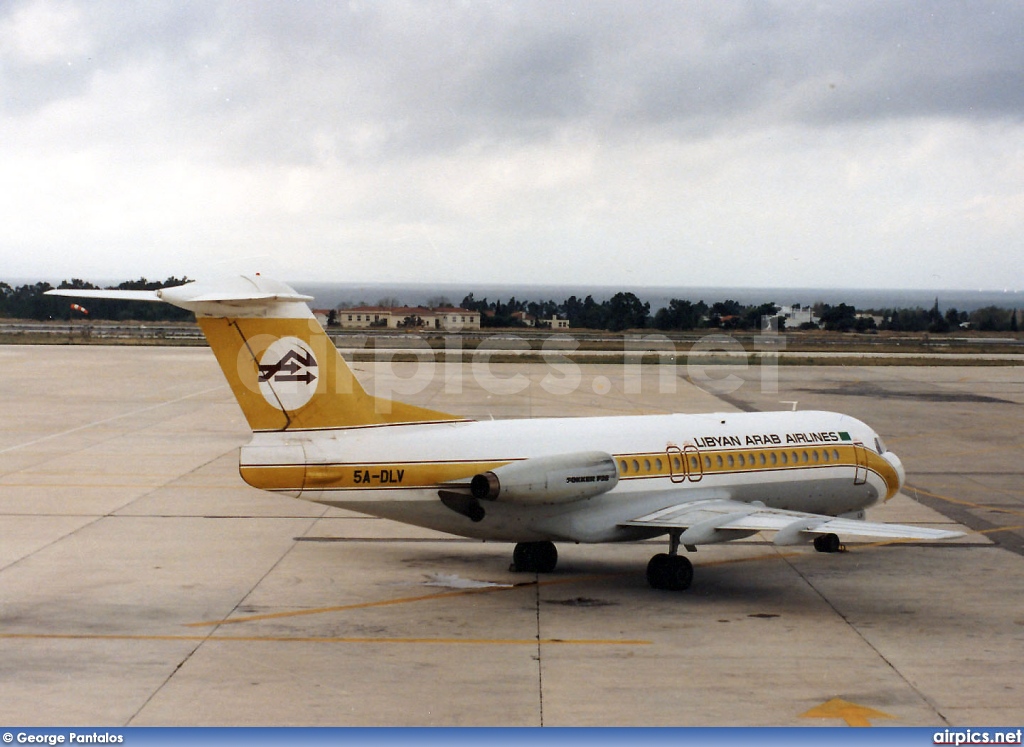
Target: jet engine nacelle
point(563, 478)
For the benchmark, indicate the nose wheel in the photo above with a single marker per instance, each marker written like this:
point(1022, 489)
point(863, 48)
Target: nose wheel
point(827, 543)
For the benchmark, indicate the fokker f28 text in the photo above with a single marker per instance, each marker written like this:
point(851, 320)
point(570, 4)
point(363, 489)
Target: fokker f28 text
point(699, 479)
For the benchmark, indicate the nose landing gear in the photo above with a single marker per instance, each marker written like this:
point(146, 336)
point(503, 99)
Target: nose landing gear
point(827, 543)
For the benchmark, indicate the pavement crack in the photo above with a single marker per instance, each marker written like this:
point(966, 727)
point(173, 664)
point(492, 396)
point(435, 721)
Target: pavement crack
point(540, 661)
point(214, 628)
point(167, 679)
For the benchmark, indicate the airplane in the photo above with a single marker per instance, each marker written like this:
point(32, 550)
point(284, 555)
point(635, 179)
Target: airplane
point(318, 435)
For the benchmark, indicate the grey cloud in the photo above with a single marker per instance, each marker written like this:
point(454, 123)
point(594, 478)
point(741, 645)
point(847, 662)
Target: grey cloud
point(277, 79)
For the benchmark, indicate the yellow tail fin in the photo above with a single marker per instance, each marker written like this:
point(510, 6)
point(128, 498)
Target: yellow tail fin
point(287, 375)
point(282, 367)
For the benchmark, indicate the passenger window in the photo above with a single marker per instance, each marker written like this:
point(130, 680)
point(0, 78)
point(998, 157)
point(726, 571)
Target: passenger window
point(741, 459)
point(622, 466)
point(732, 462)
point(647, 465)
point(815, 455)
point(719, 460)
point(785, 458)
point(824, 455)
point(835, 454)
point(761, 458)
point(636, 466)
point(657, 465)
point(694, 464)
point(676, 464)
point(775, 458)
point(707, 462)
point(803, 456)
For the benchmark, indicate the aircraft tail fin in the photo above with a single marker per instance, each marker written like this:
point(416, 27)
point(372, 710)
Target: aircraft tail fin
point(282, 367)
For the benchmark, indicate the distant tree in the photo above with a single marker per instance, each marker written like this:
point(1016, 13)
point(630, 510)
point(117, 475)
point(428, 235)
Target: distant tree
point(907, 320)
point(388, 302)
point(991, 319)
point(936, 321)
point(542, 309)
point(727, 308)
point(725, 313)
point(589, 314)
point(572, 308)
point(435, 302)
point(864, 323)
point(497, 314)
point(622, 311)
point(626, 311)
point(752, 315)
point(680, 314)
point(841, 318)
point(470, 303)
point(953, 317)
point(28, 302)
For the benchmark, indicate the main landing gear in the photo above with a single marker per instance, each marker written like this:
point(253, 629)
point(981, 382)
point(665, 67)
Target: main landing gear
point(534, 557)
point(827, 543)
point(670, 571)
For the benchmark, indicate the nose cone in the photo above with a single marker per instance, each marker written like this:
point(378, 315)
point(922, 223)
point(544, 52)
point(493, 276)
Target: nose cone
point(901, 474)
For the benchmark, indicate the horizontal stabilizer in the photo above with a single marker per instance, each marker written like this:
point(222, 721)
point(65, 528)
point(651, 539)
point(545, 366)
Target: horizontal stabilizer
point(242, 296)
point(117, 295)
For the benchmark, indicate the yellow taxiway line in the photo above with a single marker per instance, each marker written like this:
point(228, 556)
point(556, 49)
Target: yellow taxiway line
point(968, 504)
point(325, 639)
point(399, 600)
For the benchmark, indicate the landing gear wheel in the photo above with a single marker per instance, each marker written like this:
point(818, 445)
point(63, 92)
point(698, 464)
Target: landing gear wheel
point(669, 572)
point(657, 570)
point(827, 543)
point(534, 557)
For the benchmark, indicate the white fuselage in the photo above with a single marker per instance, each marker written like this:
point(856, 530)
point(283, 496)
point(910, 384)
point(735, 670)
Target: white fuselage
point(817, 462)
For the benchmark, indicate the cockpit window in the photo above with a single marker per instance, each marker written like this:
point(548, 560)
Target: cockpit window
point(879, 446)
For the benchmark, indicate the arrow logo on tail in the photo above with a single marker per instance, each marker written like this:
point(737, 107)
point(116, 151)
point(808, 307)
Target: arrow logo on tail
point(286, 373)
point(288, 367)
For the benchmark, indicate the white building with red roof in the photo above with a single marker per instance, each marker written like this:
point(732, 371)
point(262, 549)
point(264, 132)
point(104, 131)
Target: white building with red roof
point(408, 317)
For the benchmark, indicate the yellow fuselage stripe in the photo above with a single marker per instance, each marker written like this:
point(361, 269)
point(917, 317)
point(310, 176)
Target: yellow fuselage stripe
point(633, 466)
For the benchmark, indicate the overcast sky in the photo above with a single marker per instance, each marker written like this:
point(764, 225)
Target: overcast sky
point(842, 144)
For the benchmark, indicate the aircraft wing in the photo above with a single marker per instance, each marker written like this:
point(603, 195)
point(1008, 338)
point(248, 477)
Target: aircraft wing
point(712, 521)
